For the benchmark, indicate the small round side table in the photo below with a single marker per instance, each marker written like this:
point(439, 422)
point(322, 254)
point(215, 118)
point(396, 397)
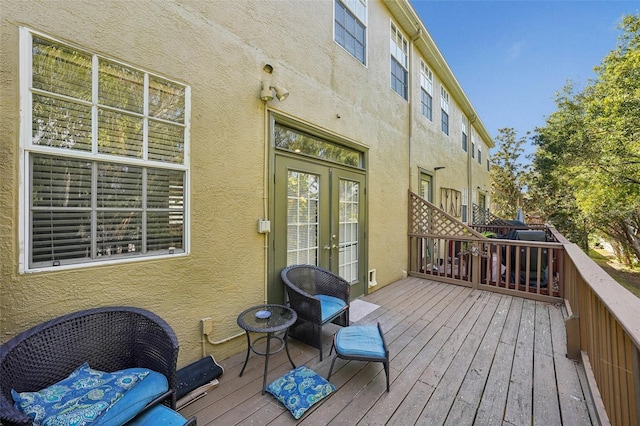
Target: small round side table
point(269, 319)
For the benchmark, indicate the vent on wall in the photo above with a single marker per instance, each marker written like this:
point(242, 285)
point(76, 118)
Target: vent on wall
point(372, 278)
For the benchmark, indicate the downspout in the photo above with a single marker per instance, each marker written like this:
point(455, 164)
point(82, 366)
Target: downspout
point(415, 37)
point(265, 199)
point(471, 120)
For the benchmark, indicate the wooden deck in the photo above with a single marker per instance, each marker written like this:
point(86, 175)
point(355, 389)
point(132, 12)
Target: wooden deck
point(458, 357)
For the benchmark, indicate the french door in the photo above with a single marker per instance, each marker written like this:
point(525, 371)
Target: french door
point(319, 219)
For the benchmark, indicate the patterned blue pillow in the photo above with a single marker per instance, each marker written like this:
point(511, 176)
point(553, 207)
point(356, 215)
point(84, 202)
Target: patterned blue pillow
point(299, 389)
point(77, 400)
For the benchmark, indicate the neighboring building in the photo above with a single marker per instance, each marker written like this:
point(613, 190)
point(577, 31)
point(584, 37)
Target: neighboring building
point(144, 147)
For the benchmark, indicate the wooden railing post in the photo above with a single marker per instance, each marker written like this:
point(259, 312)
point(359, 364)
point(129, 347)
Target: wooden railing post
point(636, 382)
point(572, 327)
point(476, 265)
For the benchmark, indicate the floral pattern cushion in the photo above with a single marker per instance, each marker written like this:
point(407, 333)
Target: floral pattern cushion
point(77, 400)
point(299, 389)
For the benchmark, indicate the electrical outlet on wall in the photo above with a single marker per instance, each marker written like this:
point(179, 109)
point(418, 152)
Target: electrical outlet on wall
point(207, 326)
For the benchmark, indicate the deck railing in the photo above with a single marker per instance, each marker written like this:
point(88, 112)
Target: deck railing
point(603, 328)
point(444, 249)
point(604, 332)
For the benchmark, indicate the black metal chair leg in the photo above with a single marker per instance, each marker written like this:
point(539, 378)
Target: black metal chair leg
point(331, 369)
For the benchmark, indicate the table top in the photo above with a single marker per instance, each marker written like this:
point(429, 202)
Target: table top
point(267, 318)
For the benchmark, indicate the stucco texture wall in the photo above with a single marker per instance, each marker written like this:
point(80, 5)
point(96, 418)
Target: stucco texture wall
point(224, 270)
point(219, 49)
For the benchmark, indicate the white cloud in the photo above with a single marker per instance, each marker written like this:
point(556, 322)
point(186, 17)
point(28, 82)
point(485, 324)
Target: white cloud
point(515, 49)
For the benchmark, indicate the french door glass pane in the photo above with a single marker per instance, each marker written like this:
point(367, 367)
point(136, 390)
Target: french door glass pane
point(349, 221)
point(302, 218)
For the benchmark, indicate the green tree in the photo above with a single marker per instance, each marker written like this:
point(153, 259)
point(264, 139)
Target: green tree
point(508, 174)
point(588, 153)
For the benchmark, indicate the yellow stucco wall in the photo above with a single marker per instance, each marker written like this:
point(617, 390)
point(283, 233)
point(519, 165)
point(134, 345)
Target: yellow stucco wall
point(219, 49)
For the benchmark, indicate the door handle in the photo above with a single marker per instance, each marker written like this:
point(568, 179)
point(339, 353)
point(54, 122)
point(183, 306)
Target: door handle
point(329, 247)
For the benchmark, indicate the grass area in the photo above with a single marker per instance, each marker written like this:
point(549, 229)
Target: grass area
point(628, 278)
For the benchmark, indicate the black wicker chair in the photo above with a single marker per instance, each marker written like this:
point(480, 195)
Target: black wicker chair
point(304, 283)
point(109, 339)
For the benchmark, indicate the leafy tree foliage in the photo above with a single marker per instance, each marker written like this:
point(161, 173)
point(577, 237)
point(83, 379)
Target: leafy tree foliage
point(588, 157)
point(508, 173)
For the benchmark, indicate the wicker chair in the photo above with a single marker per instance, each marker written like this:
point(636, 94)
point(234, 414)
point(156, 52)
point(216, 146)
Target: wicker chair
point(309, 289)
point(109, 339)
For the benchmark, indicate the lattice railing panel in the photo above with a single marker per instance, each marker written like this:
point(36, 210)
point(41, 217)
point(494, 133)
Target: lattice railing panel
point(482, 216)
point(426, 218)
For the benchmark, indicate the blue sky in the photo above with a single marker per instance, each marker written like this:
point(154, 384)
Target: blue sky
point(511, 57)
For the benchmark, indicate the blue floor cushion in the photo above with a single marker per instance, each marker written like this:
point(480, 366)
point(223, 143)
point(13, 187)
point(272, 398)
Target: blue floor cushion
point(299, 389)
point(79, 399)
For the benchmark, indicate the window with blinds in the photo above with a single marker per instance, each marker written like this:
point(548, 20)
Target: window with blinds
point(106, 159)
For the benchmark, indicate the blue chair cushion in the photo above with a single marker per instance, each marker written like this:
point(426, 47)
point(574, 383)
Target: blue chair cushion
point(80, 399)
point(158, 415)
point(360, 341)
point(136, 398)
point(330, 306)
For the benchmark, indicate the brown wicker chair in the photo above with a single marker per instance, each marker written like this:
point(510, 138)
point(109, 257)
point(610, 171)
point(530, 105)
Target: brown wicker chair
point(109, 339)
point(309, 288)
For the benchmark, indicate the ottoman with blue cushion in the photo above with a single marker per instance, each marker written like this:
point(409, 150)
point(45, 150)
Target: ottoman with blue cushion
point(361, 343)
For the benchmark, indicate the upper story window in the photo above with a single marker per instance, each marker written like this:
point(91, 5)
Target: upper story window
point(444, 107)
point(426, 91)
point(479, 154)
point(351, 27)
point(105, 162)
point(399, 63)
point(473, 146)
point(464, 136)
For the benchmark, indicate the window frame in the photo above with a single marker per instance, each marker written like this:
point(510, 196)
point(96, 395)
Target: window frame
point(93, 157)
point(465, 137)
point(473, 145)
point(399, 63)
point(426, 90)
point(348, 7)
point(444, 110)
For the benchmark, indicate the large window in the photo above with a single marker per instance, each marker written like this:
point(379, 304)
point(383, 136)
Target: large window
point(105, 158)
point(473, 145)
point(399, 63)
point(444, 108)
point(426, 91)
point(351, 27)
point(464, 136)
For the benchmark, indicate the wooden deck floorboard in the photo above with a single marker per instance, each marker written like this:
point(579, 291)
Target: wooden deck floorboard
point(458, 357)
